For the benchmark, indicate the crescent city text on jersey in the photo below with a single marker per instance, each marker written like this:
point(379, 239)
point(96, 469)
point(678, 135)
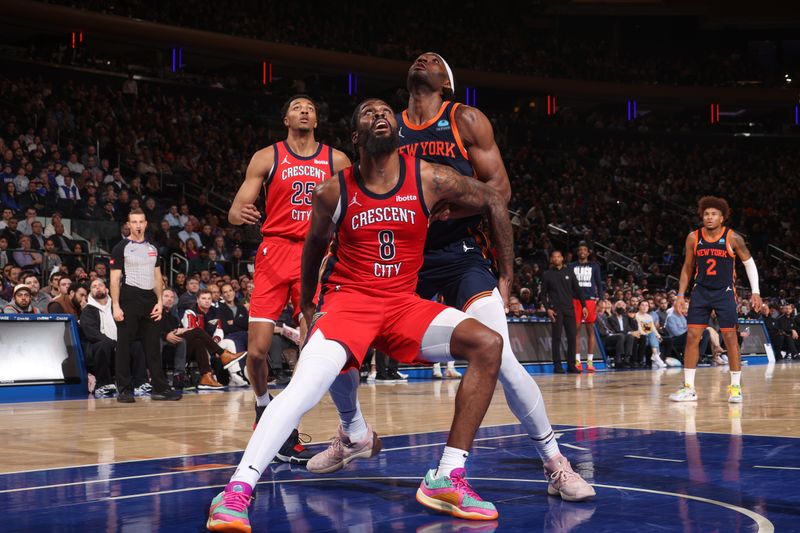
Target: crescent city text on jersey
point(378, 215)
point(382, 214)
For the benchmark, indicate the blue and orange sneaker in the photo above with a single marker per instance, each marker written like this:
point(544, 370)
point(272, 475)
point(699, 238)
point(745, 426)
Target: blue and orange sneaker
point(228, 512)
point(453, 495)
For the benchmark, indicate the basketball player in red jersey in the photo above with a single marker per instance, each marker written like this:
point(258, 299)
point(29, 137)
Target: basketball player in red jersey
point(288, 172)
point(711, 253)
point(377, 211)
point(456, 265)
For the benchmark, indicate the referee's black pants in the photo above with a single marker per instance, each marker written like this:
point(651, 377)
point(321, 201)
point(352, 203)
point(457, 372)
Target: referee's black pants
point(136, 305)
point(565, 320)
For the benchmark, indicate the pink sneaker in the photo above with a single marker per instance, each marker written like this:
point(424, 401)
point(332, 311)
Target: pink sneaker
point(564, 482)
point(228, 512)
point(453, 495)
point(341, 451)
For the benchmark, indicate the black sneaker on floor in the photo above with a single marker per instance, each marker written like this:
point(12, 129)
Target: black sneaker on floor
point(395, 375)
point(293, 450)
point(384, 378)
point(126, 397)
point(168, 395)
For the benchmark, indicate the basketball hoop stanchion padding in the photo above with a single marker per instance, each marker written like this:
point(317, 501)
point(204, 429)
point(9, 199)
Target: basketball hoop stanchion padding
point(41, 358)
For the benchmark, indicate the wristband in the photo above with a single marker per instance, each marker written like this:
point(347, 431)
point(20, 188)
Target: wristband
point(680, 294)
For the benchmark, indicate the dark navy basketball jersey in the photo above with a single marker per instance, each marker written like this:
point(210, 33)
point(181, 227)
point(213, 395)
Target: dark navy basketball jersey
point(438, 141)
point(715, 261)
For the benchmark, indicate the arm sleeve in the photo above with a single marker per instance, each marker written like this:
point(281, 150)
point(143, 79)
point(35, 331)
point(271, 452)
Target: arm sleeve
point(752, 275)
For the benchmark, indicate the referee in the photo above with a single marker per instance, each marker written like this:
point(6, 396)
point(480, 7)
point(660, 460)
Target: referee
point(136, 299)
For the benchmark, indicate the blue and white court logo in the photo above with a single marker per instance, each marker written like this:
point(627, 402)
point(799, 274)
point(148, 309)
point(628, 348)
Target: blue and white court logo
point(443, 124)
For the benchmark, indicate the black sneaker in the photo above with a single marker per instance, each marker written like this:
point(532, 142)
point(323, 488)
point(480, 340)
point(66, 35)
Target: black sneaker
point(293, 450)
point(384, 378)
point(260, 411)
point(168, 395)
point(395, 375)
point(126, 397)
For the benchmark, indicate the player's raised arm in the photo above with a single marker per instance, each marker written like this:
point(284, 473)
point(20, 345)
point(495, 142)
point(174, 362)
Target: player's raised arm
point(484, 155)
point(687, 271)
point(441, 183)
point(324, 203)
point(244, 210)
point(749, 263)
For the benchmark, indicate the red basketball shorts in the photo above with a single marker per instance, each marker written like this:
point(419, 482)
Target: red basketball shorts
point(591, 307)
point(394, 324)
point(276, 278)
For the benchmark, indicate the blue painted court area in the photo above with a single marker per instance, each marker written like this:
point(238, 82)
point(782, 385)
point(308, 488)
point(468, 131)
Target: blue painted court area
point(645, 481)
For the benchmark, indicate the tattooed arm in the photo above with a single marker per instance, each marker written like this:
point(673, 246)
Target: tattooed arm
point(441, 183)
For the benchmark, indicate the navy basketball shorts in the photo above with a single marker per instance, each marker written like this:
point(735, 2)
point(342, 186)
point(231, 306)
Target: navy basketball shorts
point(705, 300)
point(460, 273)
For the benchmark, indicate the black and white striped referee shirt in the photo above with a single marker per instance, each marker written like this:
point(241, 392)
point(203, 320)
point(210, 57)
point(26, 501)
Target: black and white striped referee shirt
point(137, 260)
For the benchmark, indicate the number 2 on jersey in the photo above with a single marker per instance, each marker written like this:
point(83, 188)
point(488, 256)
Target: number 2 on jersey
point(302, 192)
point(386, 240)
point(711, 267)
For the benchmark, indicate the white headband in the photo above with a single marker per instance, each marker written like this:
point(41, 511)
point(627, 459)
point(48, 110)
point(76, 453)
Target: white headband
point(448, 69)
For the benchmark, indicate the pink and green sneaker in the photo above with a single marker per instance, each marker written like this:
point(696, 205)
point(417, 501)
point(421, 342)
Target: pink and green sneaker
point(228, 512)
point(453, 495)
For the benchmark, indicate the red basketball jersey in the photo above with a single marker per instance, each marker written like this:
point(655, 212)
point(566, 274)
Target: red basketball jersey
point(379, 238)
point(288, 190)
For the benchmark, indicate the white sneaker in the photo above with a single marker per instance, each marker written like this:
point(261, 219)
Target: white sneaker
point(684, 394)
point(237, 381)
point(734, 394)
point(106, 391)
point(143, 390)
point(437, 371)
point(452, 373)
point(371, 377)
point(658, 362)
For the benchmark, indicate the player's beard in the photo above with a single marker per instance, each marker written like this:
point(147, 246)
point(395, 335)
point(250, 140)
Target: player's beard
point(375, 146)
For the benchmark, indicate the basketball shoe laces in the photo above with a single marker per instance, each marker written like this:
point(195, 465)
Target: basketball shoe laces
point(563, 475)
point(460, 483)
point(235, 501)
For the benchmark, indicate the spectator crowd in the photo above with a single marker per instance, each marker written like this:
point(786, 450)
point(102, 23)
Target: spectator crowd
point(77, 156)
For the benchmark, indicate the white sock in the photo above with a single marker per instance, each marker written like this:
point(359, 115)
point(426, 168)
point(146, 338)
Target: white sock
point(688, 376)
point(437, 367)
point(736, 378)
point(451, 365)
point(263, 400)
point(546, 445)
point(577, 358)
point(590, 357)
point(522, 393)
point(452, 458)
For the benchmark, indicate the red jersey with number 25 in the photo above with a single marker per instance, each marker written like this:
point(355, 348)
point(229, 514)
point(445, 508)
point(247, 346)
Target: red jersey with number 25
point(380, 237)
point(288, 190)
